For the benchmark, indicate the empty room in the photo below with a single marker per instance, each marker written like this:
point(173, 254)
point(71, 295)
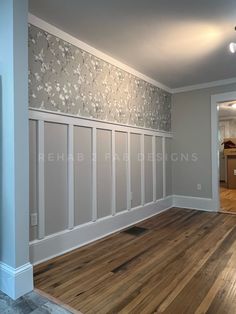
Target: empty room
point(118, 156)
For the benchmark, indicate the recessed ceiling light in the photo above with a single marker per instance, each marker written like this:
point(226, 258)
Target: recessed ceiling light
point(232, 47)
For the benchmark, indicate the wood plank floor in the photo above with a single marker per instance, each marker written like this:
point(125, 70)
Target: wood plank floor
point(228, 199)
point(184, 263)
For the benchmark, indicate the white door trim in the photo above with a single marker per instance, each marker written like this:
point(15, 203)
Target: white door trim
point(215, 100)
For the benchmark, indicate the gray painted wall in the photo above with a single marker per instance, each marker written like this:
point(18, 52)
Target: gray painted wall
point(191, 126)
point(56, 173)
point(56, 213)
point(135, 149)
point(159, 168)
point(148, 168)
point(104, 182)
point(121, 170)
point(33, 176)
point(82, 174)
point(168, 166)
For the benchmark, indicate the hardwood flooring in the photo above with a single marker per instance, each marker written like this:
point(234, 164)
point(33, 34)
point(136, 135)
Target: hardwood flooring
point(228, 200)
point(185, 262)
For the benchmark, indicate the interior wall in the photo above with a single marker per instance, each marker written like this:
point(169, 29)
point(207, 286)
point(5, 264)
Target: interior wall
point(55, 175)
point(64, 78)
point(148, 169)
point(135, 169)
point(115, 171)
point(82, 169)
point(121, 144)
point(159, 168)
point(104, 175)
point(191, 126)
point(16, 277)
point(111, 124)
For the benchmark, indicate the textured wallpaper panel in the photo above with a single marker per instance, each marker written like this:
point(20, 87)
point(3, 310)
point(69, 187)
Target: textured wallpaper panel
point(66, 79)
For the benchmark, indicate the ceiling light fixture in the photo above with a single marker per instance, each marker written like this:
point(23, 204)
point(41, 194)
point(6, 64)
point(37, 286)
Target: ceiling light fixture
point(232, 47)
point(233, 105)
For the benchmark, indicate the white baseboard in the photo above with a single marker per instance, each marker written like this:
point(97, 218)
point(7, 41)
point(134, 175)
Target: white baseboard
point(65, 241)
point(205, 204)
point(15, 282)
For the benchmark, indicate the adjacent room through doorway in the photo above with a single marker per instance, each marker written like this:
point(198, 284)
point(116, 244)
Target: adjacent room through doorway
point(227, 155)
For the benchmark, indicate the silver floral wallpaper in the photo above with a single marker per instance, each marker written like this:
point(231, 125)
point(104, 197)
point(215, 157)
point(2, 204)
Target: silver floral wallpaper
point(66, 79)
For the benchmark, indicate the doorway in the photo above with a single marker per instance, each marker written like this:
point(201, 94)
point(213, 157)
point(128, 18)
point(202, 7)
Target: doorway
point(223, 148)
point(227, 155)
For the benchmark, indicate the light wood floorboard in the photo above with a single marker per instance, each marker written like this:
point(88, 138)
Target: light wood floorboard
point(228, 200)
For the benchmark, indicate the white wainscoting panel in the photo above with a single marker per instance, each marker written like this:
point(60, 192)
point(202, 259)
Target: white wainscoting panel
point(168, 167)
point(33, 206)
point(83, 211)
point(91, 178)
point(121, 171)
point(56, 193)
point(148, 168)
point(135, 160)
point(159, 168)
point(68, 240)
point(104, 173)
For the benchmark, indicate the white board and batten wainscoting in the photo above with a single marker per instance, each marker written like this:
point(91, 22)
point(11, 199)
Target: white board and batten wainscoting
point(88, 179)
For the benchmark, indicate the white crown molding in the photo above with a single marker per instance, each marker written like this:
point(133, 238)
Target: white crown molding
point(34, 20)
point(203, 85)
point(15, 282)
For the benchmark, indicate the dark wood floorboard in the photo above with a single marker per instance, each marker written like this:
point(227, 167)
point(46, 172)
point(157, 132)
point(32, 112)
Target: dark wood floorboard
point(184, 263)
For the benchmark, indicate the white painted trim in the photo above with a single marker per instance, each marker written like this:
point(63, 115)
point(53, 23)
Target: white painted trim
point(164, 166)
point(64, 118)
point(204, 204)
point(215, 100)
point(113, 171)
point(34, 20)
point(70, 122)
point(142, 170)
point(40, 182)
point(154, 163)
point(67, 240)
point(128, 173)
point(203, 85)
point(70, 185)
point(94, 173)
point(15, 282)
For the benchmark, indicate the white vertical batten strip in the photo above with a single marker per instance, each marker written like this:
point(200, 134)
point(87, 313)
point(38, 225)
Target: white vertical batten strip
point(164, 165)
point(142, 170)
point(70, 183)
point(154, 167)
point(40, 183)
point(94, 173)
point(113, 171)
point(128, 174)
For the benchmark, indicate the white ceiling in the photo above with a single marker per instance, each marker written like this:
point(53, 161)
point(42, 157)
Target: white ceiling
point(176, 42)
